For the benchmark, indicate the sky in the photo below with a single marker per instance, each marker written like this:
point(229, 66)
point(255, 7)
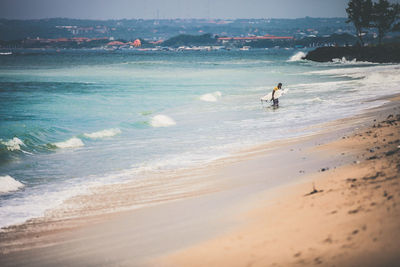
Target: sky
point(166, 9)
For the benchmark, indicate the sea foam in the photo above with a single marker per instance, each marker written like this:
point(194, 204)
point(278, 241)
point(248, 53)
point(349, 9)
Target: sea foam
point(13, 144)
point(343, 60)
point(162, 121)
point(9, 184)
point(70, 143)
point(211, 97)
point(103, 133)
point(297, 57)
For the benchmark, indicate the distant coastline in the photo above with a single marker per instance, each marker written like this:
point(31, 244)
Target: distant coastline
point(62, 33)
point(386, 53)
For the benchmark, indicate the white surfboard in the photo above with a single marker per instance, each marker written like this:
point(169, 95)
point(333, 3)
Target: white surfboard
point(278, 94)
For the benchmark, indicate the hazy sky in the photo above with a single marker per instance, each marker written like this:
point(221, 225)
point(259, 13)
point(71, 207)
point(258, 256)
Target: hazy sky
point(147, 9)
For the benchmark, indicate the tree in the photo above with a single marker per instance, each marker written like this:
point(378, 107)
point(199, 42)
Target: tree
point(359, 12)
point(385, 16)
point(186, 39)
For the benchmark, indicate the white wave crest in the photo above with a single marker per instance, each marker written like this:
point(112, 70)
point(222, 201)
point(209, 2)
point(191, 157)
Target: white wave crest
point(9, 184)
point(70, 143)
point(368, 74)
point(162, 121)
point(13, 144)
point(103, 133)
point(297, 57)
point(343, 60)
point(211, 97)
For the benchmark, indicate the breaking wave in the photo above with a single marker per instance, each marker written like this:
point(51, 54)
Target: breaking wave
point(103, 133)
point(297, 57)
point(70, 143)
point(211, 97)
point(13, 144)
point(162, 121)
point(343, 60)
point(9, 184)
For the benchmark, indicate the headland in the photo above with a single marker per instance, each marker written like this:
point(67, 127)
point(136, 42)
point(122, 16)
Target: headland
point(386, 53)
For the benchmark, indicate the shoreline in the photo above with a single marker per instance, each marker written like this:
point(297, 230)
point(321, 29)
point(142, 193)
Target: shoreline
point(221, 185)
point(345, 216)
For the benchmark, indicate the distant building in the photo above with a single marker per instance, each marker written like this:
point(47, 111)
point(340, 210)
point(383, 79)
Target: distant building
point(115, 43)
point(156, 42)
point(137, 43)
point(253, 38)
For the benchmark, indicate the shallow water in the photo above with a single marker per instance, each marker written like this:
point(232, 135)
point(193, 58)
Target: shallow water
point(73, 119)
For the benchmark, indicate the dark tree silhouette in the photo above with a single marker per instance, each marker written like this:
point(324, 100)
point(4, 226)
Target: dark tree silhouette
point(385, 18)
point(359, 12)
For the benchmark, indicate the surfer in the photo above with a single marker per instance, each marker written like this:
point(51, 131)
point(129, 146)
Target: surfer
point(276, 100)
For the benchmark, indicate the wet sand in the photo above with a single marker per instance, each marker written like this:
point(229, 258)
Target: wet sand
point(251, 209)
point(341, 216)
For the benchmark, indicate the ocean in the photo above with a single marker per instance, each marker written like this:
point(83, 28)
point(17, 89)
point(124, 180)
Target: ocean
point(74, 119)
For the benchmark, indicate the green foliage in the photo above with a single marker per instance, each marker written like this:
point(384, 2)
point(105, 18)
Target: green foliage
point(382, 15)
point(270, 43)
point(360, 14)
point(339, 39)
point(187, 40)
point(164, 29)
point(396, 27)
point(385, 16)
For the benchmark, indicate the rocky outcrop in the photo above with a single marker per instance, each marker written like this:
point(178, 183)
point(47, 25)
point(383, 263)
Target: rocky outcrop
point(387, 53)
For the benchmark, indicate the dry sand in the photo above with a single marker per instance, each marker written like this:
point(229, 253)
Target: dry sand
point(240, 211)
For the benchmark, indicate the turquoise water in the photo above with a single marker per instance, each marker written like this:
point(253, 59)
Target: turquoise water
point(73, 119)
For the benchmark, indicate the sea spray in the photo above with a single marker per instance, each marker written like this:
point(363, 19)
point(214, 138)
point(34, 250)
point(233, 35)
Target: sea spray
point(103, 133)
point(70, 143)
point(343, 60)
point(211, 97)
point(13, 144)
point(9, 184)
point(162, 121)
point(297, 57)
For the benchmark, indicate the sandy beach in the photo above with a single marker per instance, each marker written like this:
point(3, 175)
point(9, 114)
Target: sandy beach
point(329, 199)
point(345, 216)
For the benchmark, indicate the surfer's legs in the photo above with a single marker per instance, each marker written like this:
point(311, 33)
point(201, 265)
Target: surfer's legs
point(276, 102)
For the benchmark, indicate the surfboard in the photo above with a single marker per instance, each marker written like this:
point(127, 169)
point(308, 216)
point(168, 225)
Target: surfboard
point(278, 94)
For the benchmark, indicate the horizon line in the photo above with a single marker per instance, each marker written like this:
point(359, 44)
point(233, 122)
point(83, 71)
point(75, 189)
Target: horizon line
point(163, 19)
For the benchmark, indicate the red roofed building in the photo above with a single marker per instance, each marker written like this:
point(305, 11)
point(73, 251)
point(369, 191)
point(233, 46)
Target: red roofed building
point(156, 42)
point(137, 43)
point(60, 40)
point(115, 43)
point(81, 39)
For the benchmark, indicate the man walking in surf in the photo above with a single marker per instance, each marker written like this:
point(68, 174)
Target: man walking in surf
point(276, 100)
